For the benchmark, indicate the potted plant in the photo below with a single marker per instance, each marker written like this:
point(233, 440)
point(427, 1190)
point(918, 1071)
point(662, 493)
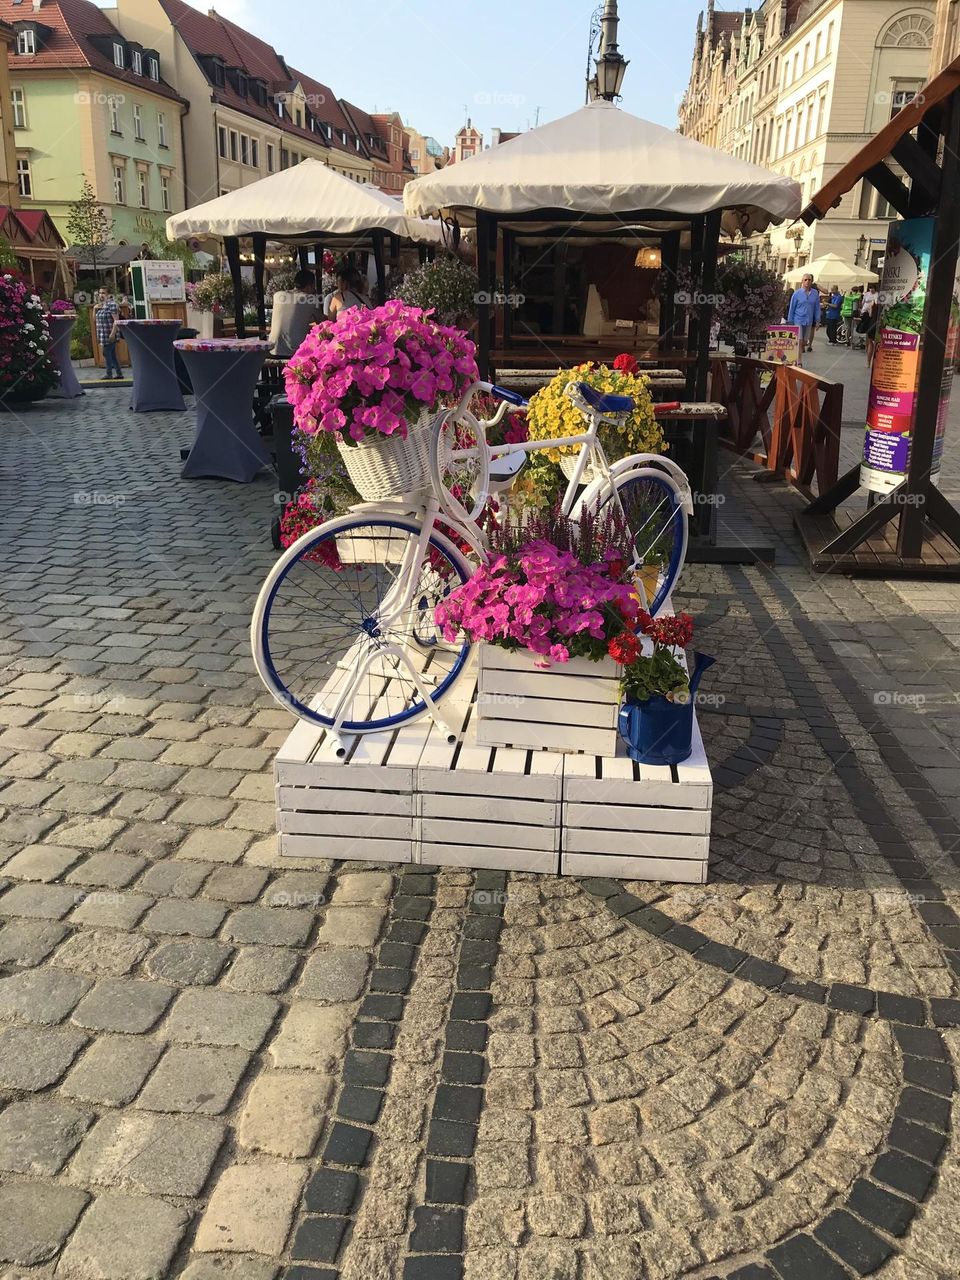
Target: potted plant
point(446, 286)
point(26, 370)
point(545, 608)
point(551, 414)
point(376, 380)
point(656, 719)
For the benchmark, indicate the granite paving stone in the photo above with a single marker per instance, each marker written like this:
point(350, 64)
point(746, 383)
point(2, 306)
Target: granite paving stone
point(198, 1079)
point(125, 1237)
point(41, 995)
point(38, 1135)
point(123, 1004)
point(35, 1219)
point(217, 1017)
point(251, 1208)
point(156, 1154)
point(112, 1070)
point(32, 1058)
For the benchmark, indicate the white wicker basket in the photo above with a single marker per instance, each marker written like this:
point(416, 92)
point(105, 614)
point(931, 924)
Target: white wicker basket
point(568, 462)
point(390, 466)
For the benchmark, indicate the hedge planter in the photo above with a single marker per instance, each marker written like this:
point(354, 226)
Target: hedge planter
point(569, 706)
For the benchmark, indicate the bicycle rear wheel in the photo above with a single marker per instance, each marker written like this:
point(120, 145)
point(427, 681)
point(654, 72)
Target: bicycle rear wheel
point(343, 628)
point(654, 514)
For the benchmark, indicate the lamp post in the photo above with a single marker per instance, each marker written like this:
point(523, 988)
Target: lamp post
point(797, 237)
point(861, 250)
point(611, 65)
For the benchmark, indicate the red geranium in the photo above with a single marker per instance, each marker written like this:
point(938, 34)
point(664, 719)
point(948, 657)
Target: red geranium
point(625, 648)
point(675, 631)
point(625, 363)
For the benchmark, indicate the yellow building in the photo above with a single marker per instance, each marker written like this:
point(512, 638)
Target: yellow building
point(250, 113)
point(799, 86)
point(9, 194)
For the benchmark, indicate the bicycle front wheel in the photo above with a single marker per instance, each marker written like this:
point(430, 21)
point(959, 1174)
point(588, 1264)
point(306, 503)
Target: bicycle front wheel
point(343, 630)
point(654, 514)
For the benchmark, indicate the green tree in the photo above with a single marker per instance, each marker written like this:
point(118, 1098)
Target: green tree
point(8, 259)
point(89, 224)
point(172, 250)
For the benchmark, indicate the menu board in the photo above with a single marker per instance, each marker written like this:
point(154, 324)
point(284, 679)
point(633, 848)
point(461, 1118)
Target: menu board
point(163, 281)
point(783, 344)
point(894, 379)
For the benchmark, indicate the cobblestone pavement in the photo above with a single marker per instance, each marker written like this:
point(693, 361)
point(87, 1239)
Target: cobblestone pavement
point(219, 1066)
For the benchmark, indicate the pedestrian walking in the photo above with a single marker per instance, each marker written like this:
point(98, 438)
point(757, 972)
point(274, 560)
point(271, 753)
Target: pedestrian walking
point(105, 316)
point(867, 324)
point(805, 311)
point(833, 312)
point(848, 310)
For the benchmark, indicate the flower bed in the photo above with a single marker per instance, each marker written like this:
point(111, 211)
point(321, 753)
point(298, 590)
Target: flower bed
point(26, 370)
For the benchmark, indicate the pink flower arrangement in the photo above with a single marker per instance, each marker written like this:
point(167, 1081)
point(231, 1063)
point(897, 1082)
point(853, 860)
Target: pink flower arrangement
point(545, 600)
point(26, 371)
point(374, 371)
point(61, 307)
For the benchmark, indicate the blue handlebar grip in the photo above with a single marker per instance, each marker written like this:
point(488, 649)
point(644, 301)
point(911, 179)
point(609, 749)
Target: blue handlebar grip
point(511, 397)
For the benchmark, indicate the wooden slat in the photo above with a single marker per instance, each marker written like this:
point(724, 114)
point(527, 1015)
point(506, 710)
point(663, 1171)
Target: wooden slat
point(637, 844)
point(672, 870)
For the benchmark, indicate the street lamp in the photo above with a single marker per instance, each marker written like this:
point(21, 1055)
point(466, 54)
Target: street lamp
point(796, 235)
point(611, 65)
point(861, 250)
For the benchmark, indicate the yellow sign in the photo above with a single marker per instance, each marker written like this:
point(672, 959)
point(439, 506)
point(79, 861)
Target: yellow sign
point(783, 344)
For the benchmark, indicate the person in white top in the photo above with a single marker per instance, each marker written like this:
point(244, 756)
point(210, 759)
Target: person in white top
point(347, 293)
point(294, 311)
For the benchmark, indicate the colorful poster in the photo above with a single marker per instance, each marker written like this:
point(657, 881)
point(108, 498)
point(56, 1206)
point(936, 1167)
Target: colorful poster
point(164, 281)
point(892, 402)
point(783, 344)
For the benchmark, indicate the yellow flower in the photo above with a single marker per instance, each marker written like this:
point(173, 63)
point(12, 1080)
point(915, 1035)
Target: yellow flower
point(551, 415)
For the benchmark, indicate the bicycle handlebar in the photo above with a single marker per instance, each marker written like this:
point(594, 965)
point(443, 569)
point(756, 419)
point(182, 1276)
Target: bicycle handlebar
point(666, 406)
point(511, 397)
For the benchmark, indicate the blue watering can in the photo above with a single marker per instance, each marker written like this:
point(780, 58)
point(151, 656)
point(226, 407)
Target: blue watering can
point(658, 731)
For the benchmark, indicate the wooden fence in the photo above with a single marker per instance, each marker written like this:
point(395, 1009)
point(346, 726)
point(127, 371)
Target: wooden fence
point(785, 418)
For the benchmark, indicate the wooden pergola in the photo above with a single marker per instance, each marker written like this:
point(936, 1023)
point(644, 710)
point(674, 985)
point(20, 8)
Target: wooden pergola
point(913, 529)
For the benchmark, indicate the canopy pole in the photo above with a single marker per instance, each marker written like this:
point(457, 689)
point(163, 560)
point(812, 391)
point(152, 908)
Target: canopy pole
point(303, 254)
point(670, 262)
point(231, 247)
point(259, 276)
point(422, 253)
point(696, 266)
point(508, 243)
point(318, 266)
point(936, 321)
point(377, 238)
point(708, 288)
point(486, 289)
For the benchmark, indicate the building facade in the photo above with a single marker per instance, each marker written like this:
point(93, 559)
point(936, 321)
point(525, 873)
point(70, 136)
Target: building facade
point(798, 86)
point(426, 154)
point(468, 142)
point(86, 102)
point(946, 39)
point(9, 188)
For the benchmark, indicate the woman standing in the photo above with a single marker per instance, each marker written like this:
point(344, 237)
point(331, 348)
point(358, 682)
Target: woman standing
point(869, 316)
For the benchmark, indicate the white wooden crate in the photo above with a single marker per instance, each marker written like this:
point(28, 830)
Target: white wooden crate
point(637, 821)
point(411, 795)
point(570, 706)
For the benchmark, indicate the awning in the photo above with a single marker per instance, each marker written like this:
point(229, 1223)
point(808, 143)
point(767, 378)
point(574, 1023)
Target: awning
point(111, 255)
point(305, 203)
point(882, 144)
point(831, 269)
point(606, 165)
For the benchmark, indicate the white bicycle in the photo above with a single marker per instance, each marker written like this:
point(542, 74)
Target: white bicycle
point(343, 631)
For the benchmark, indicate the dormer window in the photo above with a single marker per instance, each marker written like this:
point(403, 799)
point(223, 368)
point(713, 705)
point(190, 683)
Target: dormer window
point(299, 118)
point(118, 58)
point(241, 85)
point(154, 68)
point(137, 60)
point(26, 40)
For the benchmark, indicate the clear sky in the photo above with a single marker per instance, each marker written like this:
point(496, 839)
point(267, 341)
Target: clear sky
point(496, 61)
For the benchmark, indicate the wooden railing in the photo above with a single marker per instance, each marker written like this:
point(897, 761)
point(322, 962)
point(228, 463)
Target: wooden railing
point(785, 418)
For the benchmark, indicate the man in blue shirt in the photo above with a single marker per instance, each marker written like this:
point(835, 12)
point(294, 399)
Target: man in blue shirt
point(834, 306)
point(805, 311)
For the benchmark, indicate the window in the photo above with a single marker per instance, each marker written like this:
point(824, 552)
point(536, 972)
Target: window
point(284, 158)
point(142, 193)
point(254, 153)
point(19, 101)
point(137, 122)
point(118, 59)
point(154, 66)
point(222, 141)
point(165, 193)
point(899, 99)
point(298, 115)
point(234, 145)
point(816, 48)
point(114, 106)
point(161, 129)
point(244, 149)
point(137, 59)
point(829, 37)
point(27, 41)
point(24, 178)
point(118, 180)
point(270, 158)
point(821, 113)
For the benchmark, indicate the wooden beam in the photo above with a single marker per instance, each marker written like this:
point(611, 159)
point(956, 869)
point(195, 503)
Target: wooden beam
point(693, 322)
point(486, 289)
point(708, 275)
point(670, 261)
point(379, 264)
point(231, 248)
point(936, 321)
point(890, 187)
point(923, 171)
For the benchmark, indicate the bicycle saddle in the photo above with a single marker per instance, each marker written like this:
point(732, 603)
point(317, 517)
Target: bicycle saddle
point(604, 403)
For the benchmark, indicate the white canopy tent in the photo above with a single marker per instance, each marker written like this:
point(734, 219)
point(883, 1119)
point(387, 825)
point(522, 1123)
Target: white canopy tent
point(830, 269)
point(601, 173)
point(602, 161)
point(307, 205)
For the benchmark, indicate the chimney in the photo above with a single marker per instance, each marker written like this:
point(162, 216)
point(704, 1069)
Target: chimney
point(36, 5)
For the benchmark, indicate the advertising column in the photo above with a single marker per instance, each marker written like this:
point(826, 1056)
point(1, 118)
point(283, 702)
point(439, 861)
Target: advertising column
point(891, 406)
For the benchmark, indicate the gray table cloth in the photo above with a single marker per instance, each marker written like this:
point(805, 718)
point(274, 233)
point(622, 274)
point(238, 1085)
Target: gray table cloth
point(61, 327)
point(155, 384)
point(224, 373)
